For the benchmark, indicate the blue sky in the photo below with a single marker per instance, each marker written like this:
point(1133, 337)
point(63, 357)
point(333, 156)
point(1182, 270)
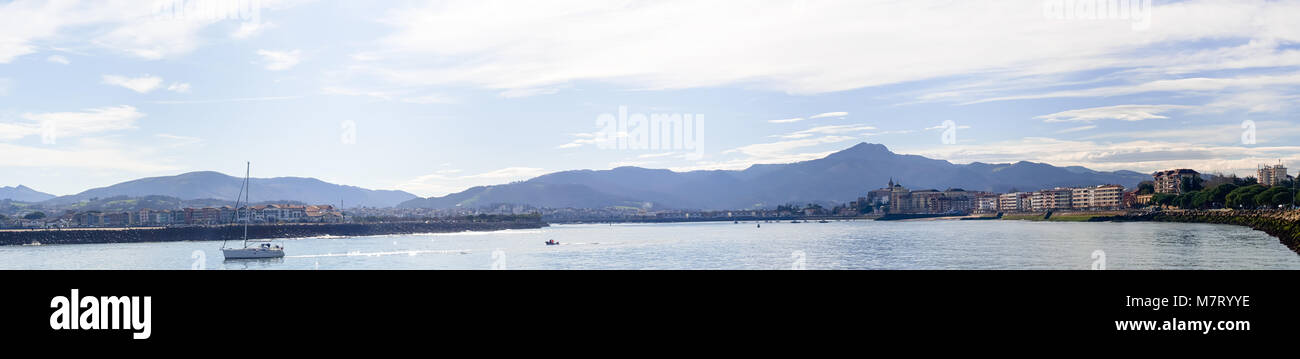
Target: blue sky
point(435, 97)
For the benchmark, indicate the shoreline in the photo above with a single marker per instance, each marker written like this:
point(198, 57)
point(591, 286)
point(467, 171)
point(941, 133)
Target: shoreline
point(231, 232)
point(1281, 224)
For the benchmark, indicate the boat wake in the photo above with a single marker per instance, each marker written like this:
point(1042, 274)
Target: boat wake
point(479, 233)
point(380, 254)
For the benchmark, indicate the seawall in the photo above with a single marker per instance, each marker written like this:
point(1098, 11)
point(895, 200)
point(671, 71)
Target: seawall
point(231, 232)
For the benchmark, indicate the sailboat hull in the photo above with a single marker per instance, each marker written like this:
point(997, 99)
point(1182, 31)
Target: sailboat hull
point(252, 253)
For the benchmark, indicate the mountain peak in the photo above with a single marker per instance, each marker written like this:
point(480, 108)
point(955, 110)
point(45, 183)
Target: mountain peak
point(863, 151)
point(23, 194)
point(867, 147)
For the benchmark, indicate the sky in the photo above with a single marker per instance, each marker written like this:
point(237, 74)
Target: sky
point(433, 97)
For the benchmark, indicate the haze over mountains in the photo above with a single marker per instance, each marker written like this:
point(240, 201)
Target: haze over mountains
point(839, 177)
point(23, 193)
point(214, 185)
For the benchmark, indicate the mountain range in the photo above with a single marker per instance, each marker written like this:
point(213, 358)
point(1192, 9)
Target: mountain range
point(215, 185)
point(23, 194)
point(838, 177)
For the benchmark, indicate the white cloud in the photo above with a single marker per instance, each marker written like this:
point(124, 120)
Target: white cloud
point(142, 84)
point(89, 121)
point(788, 120)
point(125, 26)
point(153, 39)
point(89, 155)
point(1120, 112)
point(797, 46)
point(178, 140)
point(1139, 155)
point(280, 60)
point(250, 29)
point(58, 59)
point(775, 151)
point(1204, 85)
point(588, 138)
point(826, 130)
point(181, 87)
point(1077, 129)
point(940, 127)
point(828, 114)
point(429, 99)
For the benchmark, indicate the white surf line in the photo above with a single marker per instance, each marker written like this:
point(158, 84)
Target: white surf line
point(377, 254)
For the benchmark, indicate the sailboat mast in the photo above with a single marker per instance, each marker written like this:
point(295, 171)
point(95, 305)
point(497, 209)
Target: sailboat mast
point(247, 166)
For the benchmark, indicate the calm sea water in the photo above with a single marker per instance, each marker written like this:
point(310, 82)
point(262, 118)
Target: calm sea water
point(836, 245)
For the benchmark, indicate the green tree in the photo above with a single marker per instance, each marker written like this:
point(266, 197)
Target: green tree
point(1146, 187)
point(1273, 197)
point(1163, 199)
point(34, 216)
point(1244, 197)
point(1192, 184)
point(1218, 197)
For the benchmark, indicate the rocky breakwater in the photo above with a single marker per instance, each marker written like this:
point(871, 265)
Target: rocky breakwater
point(230, 232)
point(1285, 225)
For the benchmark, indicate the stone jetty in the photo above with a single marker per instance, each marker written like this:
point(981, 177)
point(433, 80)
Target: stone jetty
point(234, 232)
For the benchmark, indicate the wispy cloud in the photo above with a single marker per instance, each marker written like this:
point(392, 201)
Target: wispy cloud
point(58, 59)
point(1120, 112)
point(250, 29)
point(280, 60)
point(1137, 155)
point(142, 84)
point(828, 114)
point(1076, 129)
point(89, 121)
point(788, 120)
point(179, 87)
point(826, 130)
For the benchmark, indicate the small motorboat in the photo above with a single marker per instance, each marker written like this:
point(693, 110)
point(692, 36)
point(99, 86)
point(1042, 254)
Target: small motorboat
point(823, 221)
point(552, 242)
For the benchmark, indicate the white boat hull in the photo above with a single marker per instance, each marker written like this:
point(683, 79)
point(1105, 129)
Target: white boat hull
point(252, 253)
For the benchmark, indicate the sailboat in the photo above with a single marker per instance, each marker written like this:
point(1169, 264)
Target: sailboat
point(263, 248)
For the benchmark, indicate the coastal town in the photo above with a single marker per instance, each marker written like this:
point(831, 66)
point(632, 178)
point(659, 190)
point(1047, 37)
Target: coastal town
point(1168, 189)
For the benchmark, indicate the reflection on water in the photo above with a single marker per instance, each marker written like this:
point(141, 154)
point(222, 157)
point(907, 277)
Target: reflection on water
point(723, 245)
point(251, 263)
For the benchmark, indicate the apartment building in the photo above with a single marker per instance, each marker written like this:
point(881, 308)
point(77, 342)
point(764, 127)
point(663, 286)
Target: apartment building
point(1099, 197)
point(1171, 181)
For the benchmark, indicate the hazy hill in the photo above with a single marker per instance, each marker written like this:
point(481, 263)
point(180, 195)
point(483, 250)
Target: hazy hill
point(839, 177)
point(214, 185)
point(23, 194)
